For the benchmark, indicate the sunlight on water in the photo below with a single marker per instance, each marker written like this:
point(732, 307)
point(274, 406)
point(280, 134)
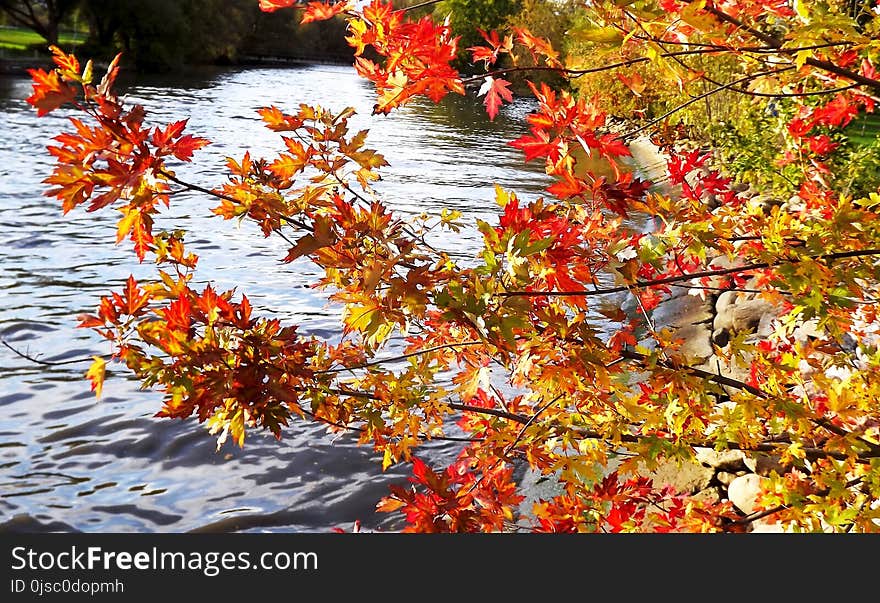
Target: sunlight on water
point(68, 462)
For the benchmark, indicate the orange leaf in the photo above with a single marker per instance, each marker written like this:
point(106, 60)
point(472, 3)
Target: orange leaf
point(388, 505)
point(634, 83)
point(321, 11)
point(186, 146)
point(270, 6)
point(49, 91)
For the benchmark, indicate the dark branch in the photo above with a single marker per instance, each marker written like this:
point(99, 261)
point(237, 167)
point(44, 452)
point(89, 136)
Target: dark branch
point(685, 277)
point(213, 193)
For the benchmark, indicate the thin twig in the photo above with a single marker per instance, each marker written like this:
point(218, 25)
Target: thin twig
point(35, 360)
point(686, 104)
point(436, 348)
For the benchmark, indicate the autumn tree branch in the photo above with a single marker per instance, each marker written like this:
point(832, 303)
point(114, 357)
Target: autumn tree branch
point(779, 44)
point(685, 277)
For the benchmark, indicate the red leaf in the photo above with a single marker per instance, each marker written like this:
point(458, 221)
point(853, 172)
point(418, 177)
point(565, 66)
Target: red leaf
point(838, 112)
point(142, 235)
point(612, 146)
point(568, 187)
point(538, 145)
point(321, 11)
point(270, 6)
point(821, 145)
point(135, 300)
point(178, 315)
point(495, 90)
point(186, 146)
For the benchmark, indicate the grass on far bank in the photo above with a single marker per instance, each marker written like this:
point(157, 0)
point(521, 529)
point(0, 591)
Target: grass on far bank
point(19, 39)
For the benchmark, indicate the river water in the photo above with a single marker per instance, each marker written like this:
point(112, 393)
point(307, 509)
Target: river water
point(71, 463)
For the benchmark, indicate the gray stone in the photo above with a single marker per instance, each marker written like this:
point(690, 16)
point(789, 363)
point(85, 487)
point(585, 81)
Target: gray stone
point(747, 316)
point(697, 343)
point(808, 330)
point(681, 311)
point(767, 464)
point(766, 202)
point(743, 312)
point(683, 477)
point(743, 492)
point(721, 460)
point(767, 527)
point(721, 337)
point(725, 301)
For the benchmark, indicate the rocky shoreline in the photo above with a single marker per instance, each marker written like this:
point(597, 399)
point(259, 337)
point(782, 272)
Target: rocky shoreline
point(706, 318)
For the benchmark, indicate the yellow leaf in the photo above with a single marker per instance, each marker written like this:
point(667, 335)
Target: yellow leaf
point(387, 459)
point(87, 73)
point(132, 215)
point(800, 57)
point(599, 35)
point(96, 374)
point(502, 197)
point(691, 14)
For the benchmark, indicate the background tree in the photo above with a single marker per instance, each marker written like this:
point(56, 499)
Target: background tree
point(42, 16)
point(468, 16)
point(164, 34)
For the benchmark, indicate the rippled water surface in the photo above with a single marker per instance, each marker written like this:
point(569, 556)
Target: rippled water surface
point(68, 462)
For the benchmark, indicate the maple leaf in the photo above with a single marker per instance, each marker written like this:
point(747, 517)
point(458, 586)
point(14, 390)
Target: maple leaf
point(49, 91)
point(278, 121)
point(141, 234)
point(134, 300)
point(68, 64)
point(495, 90)
point(322, 11)
point(568, 187)
point(270, 6)
point(537, 145)
point(482, 53)
point(821, 145)
point(184, 148)
point(838, 112)
point(177, 315)
point(161, 138)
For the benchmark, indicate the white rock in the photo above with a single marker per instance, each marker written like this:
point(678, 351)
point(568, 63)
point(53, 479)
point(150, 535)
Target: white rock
point(761, 527)
point(744, 490)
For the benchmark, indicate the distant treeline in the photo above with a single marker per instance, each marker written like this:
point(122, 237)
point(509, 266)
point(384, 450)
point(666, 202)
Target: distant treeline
point(160, 35)
point(167, 34)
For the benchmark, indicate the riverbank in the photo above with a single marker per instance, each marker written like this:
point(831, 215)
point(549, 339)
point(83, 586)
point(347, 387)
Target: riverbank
point(706, 318)
point(21, 65)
